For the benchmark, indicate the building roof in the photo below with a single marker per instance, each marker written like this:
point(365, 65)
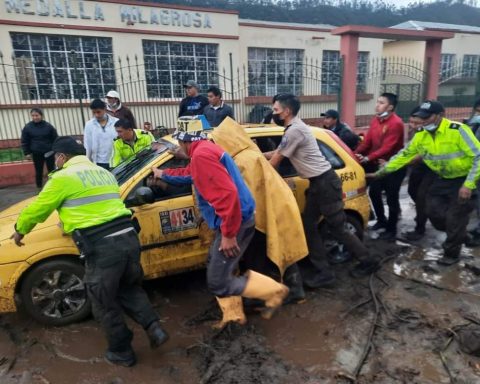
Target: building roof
point(282, 25)
point(392, 33)
point(427, 25)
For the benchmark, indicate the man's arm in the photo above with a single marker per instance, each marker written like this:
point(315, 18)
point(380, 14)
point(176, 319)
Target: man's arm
point(175, 176)
point(365, 145)
point(400, 160)
point(116, 157)
point(276, 158)
point(50, 198)
point(471, 147)
point(88, 141)
point(181, 109)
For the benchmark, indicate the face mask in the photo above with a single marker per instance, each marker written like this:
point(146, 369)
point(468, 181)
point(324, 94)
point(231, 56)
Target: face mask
point(56, 165)
point(277, 120)
point(383, 114)
point(430, 127)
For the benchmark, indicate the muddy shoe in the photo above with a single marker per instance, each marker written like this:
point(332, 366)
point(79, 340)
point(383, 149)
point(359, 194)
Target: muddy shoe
point(387, 236)
point(320, 280)
point(124, 359)
point(339, 257)
point(448, 260)
point(364, 268)
point(156, 335)
point(413, 235)
point(378, 225)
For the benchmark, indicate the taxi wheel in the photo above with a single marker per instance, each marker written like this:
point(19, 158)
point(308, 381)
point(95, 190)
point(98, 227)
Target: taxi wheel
point(53, 293)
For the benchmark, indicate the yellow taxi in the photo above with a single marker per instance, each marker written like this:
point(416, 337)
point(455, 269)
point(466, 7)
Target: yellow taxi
point(44, 277)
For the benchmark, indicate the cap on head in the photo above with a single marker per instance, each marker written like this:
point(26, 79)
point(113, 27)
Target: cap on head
point(331, 113)
point(113, 94)
point(190, 83)
point(67, 145)
point(190, 128)
point(429, 108)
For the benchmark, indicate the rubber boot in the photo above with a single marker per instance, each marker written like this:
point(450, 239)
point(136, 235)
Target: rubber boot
point(293, 280)
point(265, 288)
point(232, 310)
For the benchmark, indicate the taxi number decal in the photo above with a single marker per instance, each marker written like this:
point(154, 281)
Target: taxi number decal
point(177, 220)
point(348, 176)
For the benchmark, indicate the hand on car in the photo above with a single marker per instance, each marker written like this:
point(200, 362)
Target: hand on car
point(229, 246)
point(157, 173)
point(382, 162)
point(361, 158)
point(464, 194)
point(17, 238)
point(178, 153)
point(28, 157)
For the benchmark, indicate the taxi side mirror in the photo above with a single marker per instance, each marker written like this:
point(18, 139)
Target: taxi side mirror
point(144, 195)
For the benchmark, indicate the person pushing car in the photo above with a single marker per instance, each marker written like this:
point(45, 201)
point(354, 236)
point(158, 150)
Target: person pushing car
point(88, 202)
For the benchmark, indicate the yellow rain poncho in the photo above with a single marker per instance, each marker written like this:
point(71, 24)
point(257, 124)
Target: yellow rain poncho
point(277, 214)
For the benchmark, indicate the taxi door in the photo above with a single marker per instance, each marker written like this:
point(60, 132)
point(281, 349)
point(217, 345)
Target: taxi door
point(169, 234)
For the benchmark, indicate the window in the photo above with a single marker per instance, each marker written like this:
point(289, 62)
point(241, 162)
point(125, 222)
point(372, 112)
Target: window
point(331, 72)
point(447, 66)
point(273, 71)
point(470, 66)
point(63, 67)
point(170, 64)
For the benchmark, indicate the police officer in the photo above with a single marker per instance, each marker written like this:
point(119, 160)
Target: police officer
point(452, 152)
point(129, 141)
point(323, 197)
point(87, 199)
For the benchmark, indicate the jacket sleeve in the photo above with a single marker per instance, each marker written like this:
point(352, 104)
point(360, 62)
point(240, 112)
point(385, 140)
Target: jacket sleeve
point(53, 133)
point(230, 113)
point(390, 141)
point(350, 138)
point(181, 110)
point(50, 198)
point(217, 187)
point(116, 156)
point(471, 147)
point(366, 144)
point(25, 140)
point(178, 176)
point(131, 118)
point(88, 141)
point(401, 159)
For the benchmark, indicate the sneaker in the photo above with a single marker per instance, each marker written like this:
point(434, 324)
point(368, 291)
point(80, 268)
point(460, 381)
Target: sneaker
point(124, 359)
point(378, 225)
point(156, 335)
point(448, 260)
point(387, 236)
point(364, 268)
point(413, 235)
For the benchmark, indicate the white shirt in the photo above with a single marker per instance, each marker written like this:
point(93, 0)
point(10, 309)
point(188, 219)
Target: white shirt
point(98, 141)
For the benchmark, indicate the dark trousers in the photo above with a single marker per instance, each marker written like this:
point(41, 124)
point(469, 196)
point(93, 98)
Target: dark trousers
point(419, 181)
point(391, 185)
point(113, 279)
point(39, 161)
point(221, 278)
point(447, 214)
point(324, 198)
point(104, 165)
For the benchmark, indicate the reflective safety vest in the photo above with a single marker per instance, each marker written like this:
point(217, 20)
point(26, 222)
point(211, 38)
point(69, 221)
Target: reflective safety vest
point(122, 150)
point(452, 151)
point(84, 194)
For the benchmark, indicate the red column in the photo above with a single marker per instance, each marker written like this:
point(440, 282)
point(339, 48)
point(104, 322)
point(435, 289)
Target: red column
point(349, 53)
point(433, 52)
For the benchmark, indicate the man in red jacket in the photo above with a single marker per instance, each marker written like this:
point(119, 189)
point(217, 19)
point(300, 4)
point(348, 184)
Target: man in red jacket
point(384, 139)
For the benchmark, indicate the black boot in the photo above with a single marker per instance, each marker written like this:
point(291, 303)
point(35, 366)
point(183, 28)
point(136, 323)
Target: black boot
point(365, 268)
point(125, 359)
point(293, 280)
point(156, 335)
point(448, 260)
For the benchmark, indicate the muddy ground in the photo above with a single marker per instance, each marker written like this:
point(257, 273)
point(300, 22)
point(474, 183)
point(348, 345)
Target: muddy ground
point(383, 329)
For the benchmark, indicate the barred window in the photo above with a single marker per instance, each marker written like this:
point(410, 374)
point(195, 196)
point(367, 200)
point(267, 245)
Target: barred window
point(331, 72)
point(272, 71)
point(63, 67)
point(447, 66)
point(170, 64)
point(470, 66)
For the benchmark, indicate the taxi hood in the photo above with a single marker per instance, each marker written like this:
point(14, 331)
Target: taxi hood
point(232, 137)
point(8, 218)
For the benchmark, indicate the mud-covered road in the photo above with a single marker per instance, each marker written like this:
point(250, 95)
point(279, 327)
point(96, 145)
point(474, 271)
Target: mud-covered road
point(383, 329)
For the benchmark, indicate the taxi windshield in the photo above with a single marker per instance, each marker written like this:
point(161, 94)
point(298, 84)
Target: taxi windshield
point(126, 169)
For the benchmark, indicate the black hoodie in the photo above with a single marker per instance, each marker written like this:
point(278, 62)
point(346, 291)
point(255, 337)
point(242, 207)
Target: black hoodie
point(38, 137)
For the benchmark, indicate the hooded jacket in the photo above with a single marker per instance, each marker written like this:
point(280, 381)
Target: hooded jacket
point(277, 214)
point(38, 137)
